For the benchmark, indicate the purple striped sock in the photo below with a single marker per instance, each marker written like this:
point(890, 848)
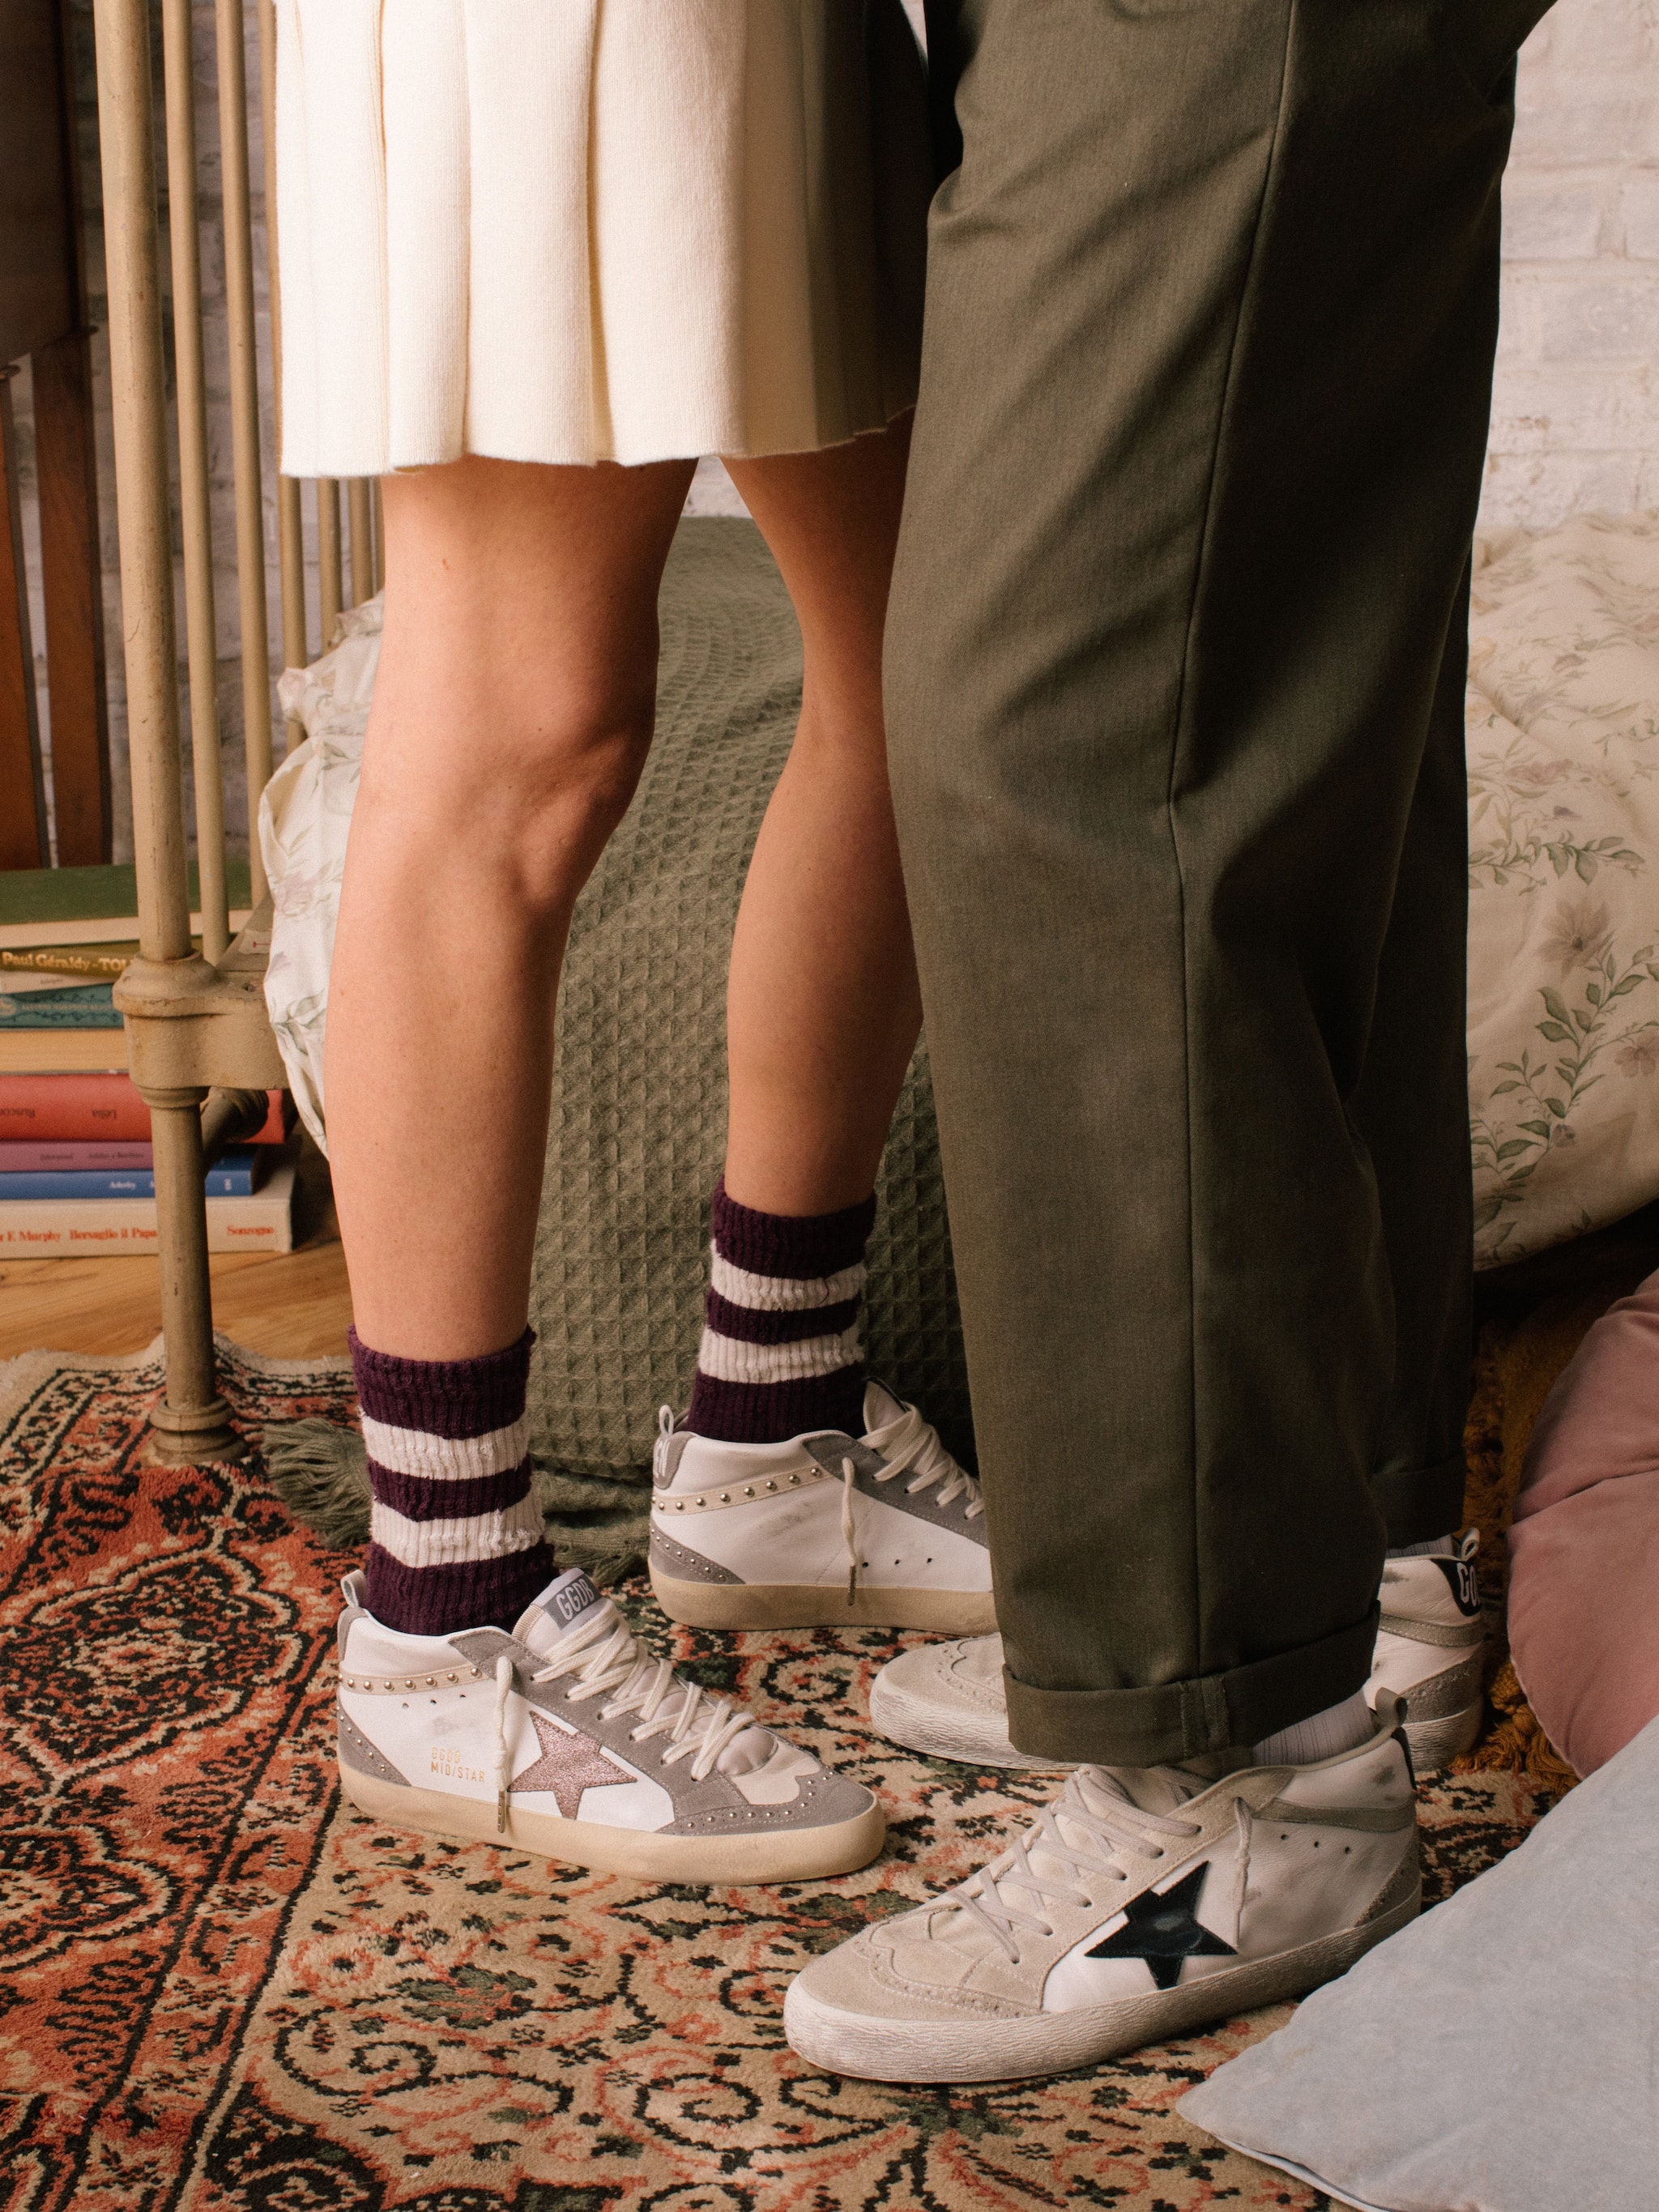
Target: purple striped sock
point(455, 1538)
point(781, 1353)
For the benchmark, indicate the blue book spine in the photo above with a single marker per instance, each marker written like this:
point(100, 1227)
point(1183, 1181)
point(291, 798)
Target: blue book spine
point(82, 1182)
point(231, 1178)
point(235, 1175)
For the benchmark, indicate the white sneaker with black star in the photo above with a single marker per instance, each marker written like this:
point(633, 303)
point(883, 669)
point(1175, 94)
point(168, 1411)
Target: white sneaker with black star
point(1143, 1902)
point(1431, 1650)
point(565, 1738)
point(882, 1530)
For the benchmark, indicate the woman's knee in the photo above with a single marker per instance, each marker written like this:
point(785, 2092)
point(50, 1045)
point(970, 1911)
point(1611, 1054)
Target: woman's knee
point(576, 792)
point(531, 797)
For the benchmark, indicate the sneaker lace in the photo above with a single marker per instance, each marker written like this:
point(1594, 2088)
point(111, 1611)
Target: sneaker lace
point(602, 1654)
point(908, 1444)
point(1120, 1831)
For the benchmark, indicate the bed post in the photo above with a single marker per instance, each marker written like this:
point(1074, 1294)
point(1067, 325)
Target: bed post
point(192, 1421)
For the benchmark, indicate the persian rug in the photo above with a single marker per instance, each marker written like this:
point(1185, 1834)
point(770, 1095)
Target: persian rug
point(218, 1989)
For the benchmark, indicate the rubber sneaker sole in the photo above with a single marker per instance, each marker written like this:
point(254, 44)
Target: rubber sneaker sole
point(822, 1605)
point(1435, 1743)
point(1005, 2050)
point(785, 1855)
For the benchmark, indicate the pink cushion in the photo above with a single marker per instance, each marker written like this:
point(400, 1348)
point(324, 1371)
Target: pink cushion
point(1584, 1548)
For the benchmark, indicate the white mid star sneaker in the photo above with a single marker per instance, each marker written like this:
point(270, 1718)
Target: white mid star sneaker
point(1142, 1903)
point(565, 1738)
point(1431, 1650)
point(946, 1700)
point(885, 1530)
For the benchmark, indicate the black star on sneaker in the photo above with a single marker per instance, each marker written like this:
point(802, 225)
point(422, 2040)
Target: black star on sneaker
point(1164, 1929)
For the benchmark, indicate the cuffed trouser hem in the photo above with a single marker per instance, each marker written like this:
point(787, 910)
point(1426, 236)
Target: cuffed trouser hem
point(1175, 1721)
point(1420, 1502)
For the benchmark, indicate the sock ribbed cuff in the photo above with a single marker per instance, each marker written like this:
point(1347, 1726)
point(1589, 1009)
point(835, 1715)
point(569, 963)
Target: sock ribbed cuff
point(781, 1353)
point(789, 1244)
point(443, 1397)
point(455, 1535)
point(766, 1413)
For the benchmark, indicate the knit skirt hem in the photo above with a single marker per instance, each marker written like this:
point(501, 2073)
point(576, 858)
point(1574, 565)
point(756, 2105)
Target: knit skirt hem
point(623, 230)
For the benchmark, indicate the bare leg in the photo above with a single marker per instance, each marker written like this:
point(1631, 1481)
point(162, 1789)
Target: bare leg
point(512, 713)
point(824, 1009)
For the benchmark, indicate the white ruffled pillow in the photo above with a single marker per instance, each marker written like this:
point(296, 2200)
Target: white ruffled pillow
point(305, 817)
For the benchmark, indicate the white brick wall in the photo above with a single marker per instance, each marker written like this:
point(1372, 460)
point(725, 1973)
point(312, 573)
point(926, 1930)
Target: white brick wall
point(1576, 405)
point(1575, 409)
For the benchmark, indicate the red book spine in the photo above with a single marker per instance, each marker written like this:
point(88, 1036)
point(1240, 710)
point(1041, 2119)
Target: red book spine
point(87, 1109)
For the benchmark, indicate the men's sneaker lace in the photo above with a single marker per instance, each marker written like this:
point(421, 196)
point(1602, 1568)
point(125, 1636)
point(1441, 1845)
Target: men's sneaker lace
point(907, 1444)
point(602, 1654)
point(1122, 1831)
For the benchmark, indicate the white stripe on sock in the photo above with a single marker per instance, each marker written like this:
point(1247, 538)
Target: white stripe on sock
point(444, 1543)
point(783, 1293)
point(446, 1459)
point(728, 1360)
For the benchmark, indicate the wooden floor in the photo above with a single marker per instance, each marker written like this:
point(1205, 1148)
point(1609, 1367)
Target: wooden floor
point(289, 1305)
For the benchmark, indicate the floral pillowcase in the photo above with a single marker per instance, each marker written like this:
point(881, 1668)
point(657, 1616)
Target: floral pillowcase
point(1563, 878)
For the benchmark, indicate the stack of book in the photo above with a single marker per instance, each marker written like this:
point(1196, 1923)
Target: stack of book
point(75, 1170)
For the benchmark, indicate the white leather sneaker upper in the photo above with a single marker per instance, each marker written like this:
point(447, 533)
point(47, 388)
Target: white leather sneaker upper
point(947, 1700)
point(1138, 1880)
point(890, 1510)
point(1430, 1644)
point(568, 1717)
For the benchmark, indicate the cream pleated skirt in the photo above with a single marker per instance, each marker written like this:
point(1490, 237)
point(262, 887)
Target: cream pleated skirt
point(584, 230)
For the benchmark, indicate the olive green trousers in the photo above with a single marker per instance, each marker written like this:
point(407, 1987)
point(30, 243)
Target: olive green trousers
point(1175, 683)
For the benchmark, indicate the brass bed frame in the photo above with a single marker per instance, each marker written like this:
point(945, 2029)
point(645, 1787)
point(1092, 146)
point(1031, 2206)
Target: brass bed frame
point(199, 1045)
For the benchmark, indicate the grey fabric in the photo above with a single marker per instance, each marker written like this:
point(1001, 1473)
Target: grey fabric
point(1174, 679)
point(1497, 2055)
point(321, 1474)
point(639, 1098)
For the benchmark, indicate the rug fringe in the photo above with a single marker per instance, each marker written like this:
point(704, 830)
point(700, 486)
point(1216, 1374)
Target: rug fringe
point(321, 1474)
